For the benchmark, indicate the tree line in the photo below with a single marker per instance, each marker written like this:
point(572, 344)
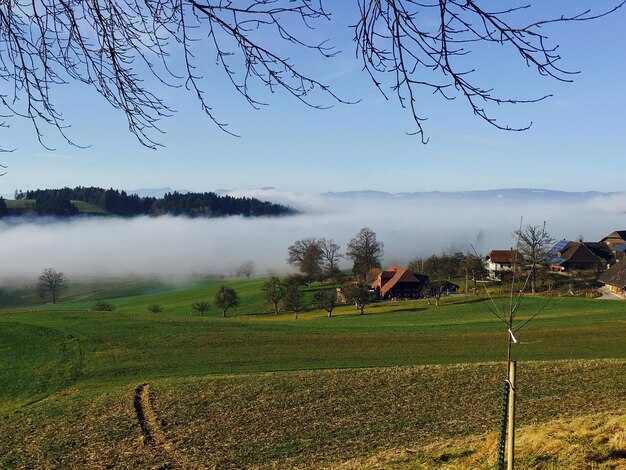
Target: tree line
point(4, 210)
point(446, 266)
point(318, 258)
point(58, 202)
point(287, 293)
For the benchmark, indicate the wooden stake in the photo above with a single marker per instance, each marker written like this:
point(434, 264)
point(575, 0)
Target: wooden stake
point(510, 444)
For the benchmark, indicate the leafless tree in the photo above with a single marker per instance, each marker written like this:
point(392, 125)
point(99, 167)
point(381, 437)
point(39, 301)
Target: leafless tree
point(358, 294)
point(273, 291)
point(294, 297)
point(534, 244)
point(156, 308)
point(331, 255)
point(247, 269)
point(434, 290)
point(199, 307)
point(226, 298)
point(52, 283)
point(507, 313)
point(365, 251)
point(307, 256)
point(326, 299)
point(114, 47)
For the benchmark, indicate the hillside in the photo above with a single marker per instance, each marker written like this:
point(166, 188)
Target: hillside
point(354, 419)
point(68, 202)
point(259, 390)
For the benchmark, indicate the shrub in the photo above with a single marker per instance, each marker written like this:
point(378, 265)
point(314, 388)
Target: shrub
point(103, 306)
point(201, 307)
point(155, 308)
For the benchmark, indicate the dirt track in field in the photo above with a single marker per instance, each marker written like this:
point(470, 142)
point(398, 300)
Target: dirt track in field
point(153, 435)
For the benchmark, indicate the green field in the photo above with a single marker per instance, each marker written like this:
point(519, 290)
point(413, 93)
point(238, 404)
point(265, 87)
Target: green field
point(259, 389)
point(23, 206)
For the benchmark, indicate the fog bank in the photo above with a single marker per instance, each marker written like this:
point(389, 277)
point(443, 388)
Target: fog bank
point(178, 247)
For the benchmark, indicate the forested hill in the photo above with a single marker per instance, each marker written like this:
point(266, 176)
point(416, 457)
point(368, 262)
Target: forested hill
point(67, 202)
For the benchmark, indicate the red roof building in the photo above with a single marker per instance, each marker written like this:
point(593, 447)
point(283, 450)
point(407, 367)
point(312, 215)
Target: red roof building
point(501, 261)
point(397, 283)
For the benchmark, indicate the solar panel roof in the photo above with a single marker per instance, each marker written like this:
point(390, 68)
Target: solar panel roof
point(559, 246)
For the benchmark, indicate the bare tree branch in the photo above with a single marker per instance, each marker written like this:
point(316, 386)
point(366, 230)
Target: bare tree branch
point(393, 37)
point(115, 46)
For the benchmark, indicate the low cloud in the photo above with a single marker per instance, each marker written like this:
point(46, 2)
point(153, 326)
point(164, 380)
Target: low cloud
point(179, 247)
point(615, 202)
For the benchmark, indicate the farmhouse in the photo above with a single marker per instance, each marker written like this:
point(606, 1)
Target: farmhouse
point(601, 250)
point(614, 239)
point(615, 278)
point(571, 255)
point(396, 283)
point(620, 251)
point(501, 261)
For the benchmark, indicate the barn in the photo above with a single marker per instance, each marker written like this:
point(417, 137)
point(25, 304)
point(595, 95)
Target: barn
point(614, 278)
point(398, 283)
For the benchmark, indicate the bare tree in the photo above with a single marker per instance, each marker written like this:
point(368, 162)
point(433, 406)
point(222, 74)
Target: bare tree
point(273, 291)
point(294, 297)
point(434, 290)
point(331, 255)
point(534, 245)
point(326, 299)
point(156, 308)
point(226, 298)
point(52, 282)
point(404, 46)
point(247, 269)
point(472, 263)
point(358, 294)
point(365, 251)
point(199, 307)
point(307, 255)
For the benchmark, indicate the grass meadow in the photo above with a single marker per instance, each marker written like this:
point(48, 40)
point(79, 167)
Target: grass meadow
point(23, 206)
point(395, 387)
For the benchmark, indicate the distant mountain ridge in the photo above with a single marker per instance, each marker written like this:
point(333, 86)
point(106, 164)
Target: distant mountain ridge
point(488, 194)
point(155, 192)
point(504, 194)
point(160, 192)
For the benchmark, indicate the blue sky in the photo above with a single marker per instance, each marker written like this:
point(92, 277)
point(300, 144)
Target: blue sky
point(575, 143)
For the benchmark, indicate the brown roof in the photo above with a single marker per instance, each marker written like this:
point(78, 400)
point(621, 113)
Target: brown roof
point(578, 252)
point(392, 276)
point(618, 234)
point(383, 276)
point(615, 275)
point(402, 276)
point(503, 256)
point(600, 249)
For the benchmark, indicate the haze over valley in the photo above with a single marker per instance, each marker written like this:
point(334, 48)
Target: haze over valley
point(410, 225)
